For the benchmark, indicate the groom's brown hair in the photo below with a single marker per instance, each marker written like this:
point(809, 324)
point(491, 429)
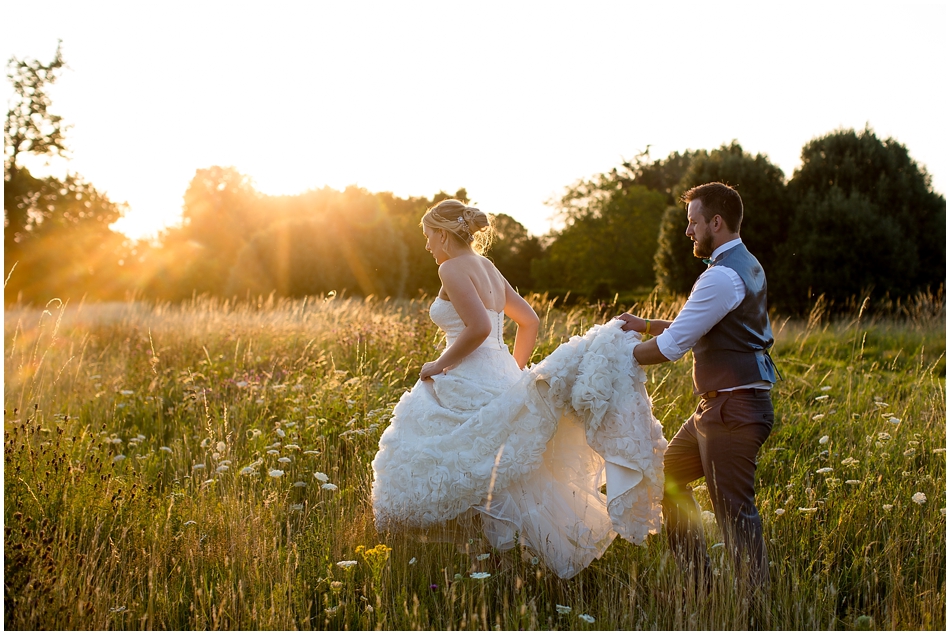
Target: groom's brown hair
point(718, 198)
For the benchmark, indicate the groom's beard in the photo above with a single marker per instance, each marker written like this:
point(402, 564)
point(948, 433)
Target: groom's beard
point(703, 248)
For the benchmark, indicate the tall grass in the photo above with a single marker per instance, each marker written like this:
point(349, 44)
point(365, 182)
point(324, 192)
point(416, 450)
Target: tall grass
point(206, 465)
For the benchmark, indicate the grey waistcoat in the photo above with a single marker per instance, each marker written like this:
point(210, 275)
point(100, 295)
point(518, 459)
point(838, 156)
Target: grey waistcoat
point(735, 351)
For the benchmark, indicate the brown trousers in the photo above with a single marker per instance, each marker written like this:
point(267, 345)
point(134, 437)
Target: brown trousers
point(719, 441)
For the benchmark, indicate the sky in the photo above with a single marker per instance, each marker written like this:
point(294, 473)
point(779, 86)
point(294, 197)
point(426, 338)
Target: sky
point(514, 101)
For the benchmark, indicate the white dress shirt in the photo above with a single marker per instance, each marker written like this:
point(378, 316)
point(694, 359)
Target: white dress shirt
point(717, 291)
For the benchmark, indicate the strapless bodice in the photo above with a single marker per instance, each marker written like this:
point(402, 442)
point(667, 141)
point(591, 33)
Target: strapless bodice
point(445, 316)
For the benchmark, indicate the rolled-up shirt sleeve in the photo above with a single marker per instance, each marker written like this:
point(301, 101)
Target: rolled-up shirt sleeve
point(717, 291)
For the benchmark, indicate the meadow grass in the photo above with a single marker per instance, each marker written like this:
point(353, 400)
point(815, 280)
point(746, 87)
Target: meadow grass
point(207, 466)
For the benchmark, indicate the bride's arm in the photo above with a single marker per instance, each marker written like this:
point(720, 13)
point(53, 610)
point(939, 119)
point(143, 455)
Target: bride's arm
point(461, 291)
point(527, 320)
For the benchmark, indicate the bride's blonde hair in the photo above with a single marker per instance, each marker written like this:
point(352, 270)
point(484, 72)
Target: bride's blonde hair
point(468, 224)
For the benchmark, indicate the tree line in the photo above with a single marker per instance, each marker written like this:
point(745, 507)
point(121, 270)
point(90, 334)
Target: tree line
point(859, 216)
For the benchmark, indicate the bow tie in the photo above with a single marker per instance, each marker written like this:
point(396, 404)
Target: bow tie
point(707, 261)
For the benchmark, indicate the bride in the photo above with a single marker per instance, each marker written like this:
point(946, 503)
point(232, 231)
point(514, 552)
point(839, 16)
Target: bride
point(524, 451)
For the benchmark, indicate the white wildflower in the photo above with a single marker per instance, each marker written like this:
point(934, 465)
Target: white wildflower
point(480, 575)
point(824, 470)
point(825, 439)
point(297, 507)
point(779, 511)
point(850, 461)
point(165, 448)
point(852, 482)
point(276, 473)
point(346, 564)
point(888, 508)
point(822, 397)
point(292, 446)
point(329, 486)
point(336, 585)
point(190, 522)
point(280, 433)
point(940, 450)
point(221, 468)
point(284, 459)
point(883, 436)
point(272, 451)
point(708, 516)
point(198, 466)
point(247, 470)
point(483, 556)
point(117, 458)
point(320, 476)
point(825, 388)
point(818, 417)
point(808, 510)
point(413, 561)
point(920, 498)
point(126, 392)
point(300, 484)
point(894, 420)
point(587, 618)
point(563, 610)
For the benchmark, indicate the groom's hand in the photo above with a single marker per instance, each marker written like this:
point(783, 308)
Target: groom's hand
point(631, 322)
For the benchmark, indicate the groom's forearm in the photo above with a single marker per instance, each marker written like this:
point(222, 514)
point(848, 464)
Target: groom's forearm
point(647, 353)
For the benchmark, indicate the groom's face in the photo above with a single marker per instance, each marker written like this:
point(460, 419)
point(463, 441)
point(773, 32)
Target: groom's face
point(699, 230)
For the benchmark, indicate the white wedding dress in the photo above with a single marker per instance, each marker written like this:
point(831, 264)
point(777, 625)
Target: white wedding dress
point(527, 451)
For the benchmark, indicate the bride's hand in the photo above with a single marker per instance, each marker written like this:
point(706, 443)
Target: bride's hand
point(429, 369)
point(629, 321)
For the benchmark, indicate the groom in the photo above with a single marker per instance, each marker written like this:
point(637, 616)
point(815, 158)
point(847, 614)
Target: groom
point(725, 322)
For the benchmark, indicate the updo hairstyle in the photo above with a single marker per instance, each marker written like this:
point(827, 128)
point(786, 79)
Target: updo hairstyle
point(468, 224)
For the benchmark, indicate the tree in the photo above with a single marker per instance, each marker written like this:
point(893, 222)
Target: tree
point(766, 212)
point(56, 231)
point(866, 215)
point(607, 247)
point(513, 251)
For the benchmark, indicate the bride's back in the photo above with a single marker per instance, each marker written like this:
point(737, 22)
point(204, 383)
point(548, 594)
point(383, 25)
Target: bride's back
point(488, 281)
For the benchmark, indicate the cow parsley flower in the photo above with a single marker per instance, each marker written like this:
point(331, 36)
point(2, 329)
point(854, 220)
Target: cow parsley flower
point(920, 498)
point(276, 473)
point(824, 470)
point(587, 618)
point(480, 575)
point(329, 486)
point(563, 610)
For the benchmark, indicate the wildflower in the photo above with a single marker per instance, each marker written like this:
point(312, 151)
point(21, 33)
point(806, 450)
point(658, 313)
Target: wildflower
point(433, 587)
point(483, 556)
point(297, 507)
point(943, 511)
point(808, 510)
point(126, 392)
point(273, 451)
point(336, 585)
point(708, 516)
point(822, 397)
point(198, 466)
point(910, 452)
point(221, 468)
point(284, 459)
point(920, 498)
point(894, 420)
point(779, 511)
point(587, 618)
point(535, 561)
point(165, 448)
point(940, 450)
point(320, 476)
point(413, 561)
point(117, 458)
point(190, 522)
point(346, 564)
point(241, 384)
point(311, 452)
point(205, 442)
point(247, 470)
point(833, 482)
point(824, 470)
point(825, 388)
point(818, 417)
point(888, 508)
point(563, 610)
point(208, 482)
point(280, 433)
point(300, 484)
point(883, 436)
point(292, 446)
point(480, 575)
point(117, 609)
point(329, 486)
point(852, 482)
point(718, 545)
point(848, 462)
point(825, 439)
point(276, 473)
